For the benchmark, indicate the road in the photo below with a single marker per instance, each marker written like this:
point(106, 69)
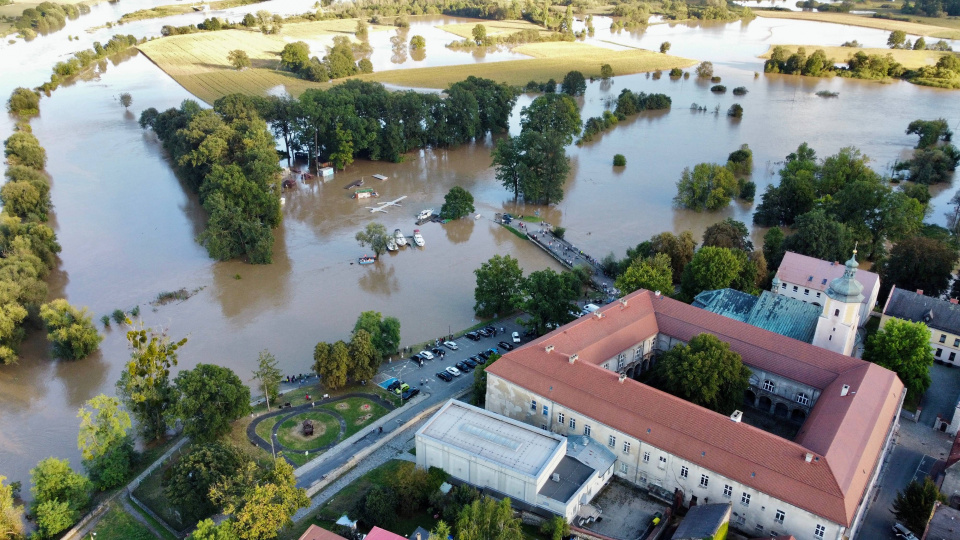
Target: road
point(905, 464)
point(433, 389)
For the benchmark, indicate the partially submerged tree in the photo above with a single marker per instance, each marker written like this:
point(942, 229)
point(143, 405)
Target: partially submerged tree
point(375, 234)
point(457, 203)
point(71, 330)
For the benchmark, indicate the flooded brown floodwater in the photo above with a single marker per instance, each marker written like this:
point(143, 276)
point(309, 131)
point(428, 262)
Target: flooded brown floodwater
point(127, 225)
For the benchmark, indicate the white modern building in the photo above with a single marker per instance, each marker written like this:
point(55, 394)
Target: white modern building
point(514, 459)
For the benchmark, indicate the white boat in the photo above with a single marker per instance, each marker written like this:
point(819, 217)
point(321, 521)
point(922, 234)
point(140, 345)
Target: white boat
point(425, 214)
point(418, 238)
point(391, 245)
point(399, 238)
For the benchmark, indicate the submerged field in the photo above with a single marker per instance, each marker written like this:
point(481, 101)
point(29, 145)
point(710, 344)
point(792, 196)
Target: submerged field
point(908, 58)
point(494, 28)
point(865, 21)
point(199, 62)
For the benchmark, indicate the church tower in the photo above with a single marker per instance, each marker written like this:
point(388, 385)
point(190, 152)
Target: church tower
point(838, 322)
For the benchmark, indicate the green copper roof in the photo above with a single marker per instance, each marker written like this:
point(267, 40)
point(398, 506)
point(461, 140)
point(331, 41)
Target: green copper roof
point(846, 288)
point(776, 313)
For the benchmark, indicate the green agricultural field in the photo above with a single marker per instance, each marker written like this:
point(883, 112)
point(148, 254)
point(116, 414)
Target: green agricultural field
point(908, 58)
point(199, 63)
point(494, 28)
point(943, 31)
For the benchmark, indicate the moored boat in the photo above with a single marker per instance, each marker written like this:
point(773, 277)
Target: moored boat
point(400, 239)
point(366, 259)
point(418, 238)
point(365, 193)
point(391, 245)
point(425, 214)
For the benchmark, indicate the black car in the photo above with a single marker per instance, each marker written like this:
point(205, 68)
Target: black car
point(478, 359)
point(394, 385)
point(472, 336)
point(491, 329)
point(437, 351)
point(484, 332)
point(464, 367)
point(484, 355)
point(410, 393)
point(505, 346)
point(470, 363)
point(444, 376)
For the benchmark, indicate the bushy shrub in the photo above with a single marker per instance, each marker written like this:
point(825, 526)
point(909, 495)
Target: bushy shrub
point(740, 91)
point(718, 88)
point(619, 160)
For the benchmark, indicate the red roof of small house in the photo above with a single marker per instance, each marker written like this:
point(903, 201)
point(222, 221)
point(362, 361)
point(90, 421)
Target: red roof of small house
point(319, 533)
point(382, 534)
point(845, 433)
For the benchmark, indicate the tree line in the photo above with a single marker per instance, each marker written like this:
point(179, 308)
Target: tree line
point(227, 156)
point(628, 104)
point(373, 339)
point(83, 59)
point(337, 63)
point(47, 17)
point(710, 186)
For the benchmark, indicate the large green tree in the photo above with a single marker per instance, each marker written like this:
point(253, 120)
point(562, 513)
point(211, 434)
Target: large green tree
point(920, 263)
point(187, 485)
point(711, 268)
point(498, 285)
point(364, 357)
point(384, 331)
point(914, 504)
point(59, 494)
point(102, 425)
point(144, 386)
point(707, 187)
point(729, 233)
point(11, 515)
point(209, 399)
point(488, 519)
point(332, 364)
point(903, 347)
point(548, 299)
point(375, 234)
point(71, 330)
point(820, 237)
point(268, 377)
point(23, 101)
point(651, 273)
point(705, 372)
point(268, 504)
point(23, 148)
point(679, 247)
point(457, 203)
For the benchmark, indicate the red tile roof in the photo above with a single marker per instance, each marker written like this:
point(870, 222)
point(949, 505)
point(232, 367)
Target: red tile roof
point(319, 533)
point(382, 534)
point(845, 433)
point(798, 269)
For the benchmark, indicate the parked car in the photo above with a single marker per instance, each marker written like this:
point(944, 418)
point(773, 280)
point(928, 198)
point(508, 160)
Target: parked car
point(402, 388)
point(472, 336)
point(478, 360)
point(484, 332)
point(470, 363)
point(394, 385)
point(416, 359)
point(452, 345)
point(462, 366)
point(491, 329)
point(505, 346)
point(902, 532)
point(437, 351)
point(516, 337)
point(485, 355)
point(427, 355)
point(410, 393)
point(493, 350)
point(453, 371)
point(444, 376)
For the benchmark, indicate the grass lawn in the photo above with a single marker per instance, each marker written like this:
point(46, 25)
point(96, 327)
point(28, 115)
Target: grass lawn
point(265, 428)
point(165, 534)
point(199, 63)
point(928, 30)
point(909, 58)
point(326, 431)
point(117, 524)
point(494, 28)
point(357, 412)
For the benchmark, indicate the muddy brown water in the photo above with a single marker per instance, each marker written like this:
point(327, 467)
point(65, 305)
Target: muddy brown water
point(127, 225)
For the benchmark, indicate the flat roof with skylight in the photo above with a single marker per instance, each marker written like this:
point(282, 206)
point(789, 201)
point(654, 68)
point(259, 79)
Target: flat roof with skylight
point(497, 439)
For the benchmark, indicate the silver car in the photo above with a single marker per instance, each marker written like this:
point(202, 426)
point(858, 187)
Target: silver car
point(453, 371)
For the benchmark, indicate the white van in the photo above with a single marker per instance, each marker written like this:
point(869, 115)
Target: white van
point(902, 532)
point(590, 308)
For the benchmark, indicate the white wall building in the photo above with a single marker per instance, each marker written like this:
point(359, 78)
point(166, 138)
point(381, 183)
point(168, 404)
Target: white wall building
point(808, 279)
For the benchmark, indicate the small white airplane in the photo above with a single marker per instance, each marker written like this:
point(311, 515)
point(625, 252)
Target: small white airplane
point(383, 206)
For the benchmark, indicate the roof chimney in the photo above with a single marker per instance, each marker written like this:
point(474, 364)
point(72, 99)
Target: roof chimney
point(656, 293)
point(737, 416)
point(598, 315)
point(548, 349)
point(808, 458)
point(845, 390)
point(574, 357)
point(418, 536)
point(623, 303)
point(920, 292)
point(623, 377)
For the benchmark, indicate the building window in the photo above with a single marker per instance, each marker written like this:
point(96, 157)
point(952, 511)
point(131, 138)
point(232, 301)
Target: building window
point(820, 531)
point(626, 448)
point(546, 411)
point(684, 471)
point(779, 516)
point(836, 313)
point(586, 429)
point(573, 423)
point(638, 353)
point(939, 352)
point(533, 405)
point(745, 499)
point(643, 479)
point(818, 295)
point(806, 292)
point(953, 356)
point(620, 360)
point(704, 480)
point(560, 418)
point(741, 520)
point(646, 457)
point(663, 462)
point(803, 399)
point(727, 490)
point(759, 528)
point(943, 338)
point(769, 386)
point(623, 467)
point(956, 342)
point(543, 427)
point(784, 286)
point(612, 441)
point(794, 288)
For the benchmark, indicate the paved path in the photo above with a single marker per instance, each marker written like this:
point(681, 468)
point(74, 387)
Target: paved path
point(566, 253)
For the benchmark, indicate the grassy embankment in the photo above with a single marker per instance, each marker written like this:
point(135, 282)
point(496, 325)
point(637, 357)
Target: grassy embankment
point(949, 29)
point(908, 58)
point(494, 28)
point(199, 62)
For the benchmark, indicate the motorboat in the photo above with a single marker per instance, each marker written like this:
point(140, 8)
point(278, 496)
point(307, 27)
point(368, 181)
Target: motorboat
point(418, 238)
point(366, 259)
point(391, 245)
point(399, 238)
point(425, 214)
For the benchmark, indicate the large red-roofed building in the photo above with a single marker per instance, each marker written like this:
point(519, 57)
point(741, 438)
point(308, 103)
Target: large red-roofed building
point(572, 382)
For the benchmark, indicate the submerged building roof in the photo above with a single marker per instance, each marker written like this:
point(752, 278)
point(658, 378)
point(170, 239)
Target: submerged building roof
point(914, 306)
point(774, 312)
point(846, 431)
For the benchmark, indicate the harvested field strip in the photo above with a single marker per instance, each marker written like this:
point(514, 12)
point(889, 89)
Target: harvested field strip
point(868, 22)
point(910, 59)
point(494, 28)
